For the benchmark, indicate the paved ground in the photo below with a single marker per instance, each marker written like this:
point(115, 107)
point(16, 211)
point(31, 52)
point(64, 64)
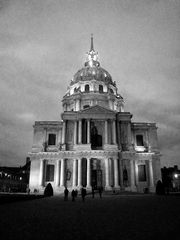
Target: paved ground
point(112, 217)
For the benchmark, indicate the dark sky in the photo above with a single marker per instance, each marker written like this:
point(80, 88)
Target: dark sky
point(43, 44)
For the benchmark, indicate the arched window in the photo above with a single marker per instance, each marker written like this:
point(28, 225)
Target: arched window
point(87, 88)
point(101, 88)
point(86, 106)
point(139, 140)
point(111, 91)
point(52, 139)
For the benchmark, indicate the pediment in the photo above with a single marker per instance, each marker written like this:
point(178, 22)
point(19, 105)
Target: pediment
point(97, 110)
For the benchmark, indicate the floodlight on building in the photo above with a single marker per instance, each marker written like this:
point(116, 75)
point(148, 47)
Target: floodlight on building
point(176, 175)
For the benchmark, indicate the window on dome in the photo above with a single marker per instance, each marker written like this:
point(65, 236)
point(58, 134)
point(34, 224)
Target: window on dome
point(139, 140)
point(52, 139)
point(86, 106)
point(87, 88)
point(101, 88)
point(111, 91)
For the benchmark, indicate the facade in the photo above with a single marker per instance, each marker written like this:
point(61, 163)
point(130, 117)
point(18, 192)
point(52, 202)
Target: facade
point(95, 144)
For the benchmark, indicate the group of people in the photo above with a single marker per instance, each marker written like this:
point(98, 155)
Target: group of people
point(74, 193)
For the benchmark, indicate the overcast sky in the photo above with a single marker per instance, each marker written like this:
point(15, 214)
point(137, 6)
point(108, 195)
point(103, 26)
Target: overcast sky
point(43, 44)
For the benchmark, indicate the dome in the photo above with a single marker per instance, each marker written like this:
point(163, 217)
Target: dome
point(92, 69)
point(88, 73)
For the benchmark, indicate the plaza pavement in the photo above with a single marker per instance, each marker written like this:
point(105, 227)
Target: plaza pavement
point(136, 216)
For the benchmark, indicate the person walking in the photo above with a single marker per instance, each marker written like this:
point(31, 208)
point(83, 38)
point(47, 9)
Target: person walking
point(100, 192)
point(83, 194)
point(73, 194)
point(66, 192)
point(93, 192)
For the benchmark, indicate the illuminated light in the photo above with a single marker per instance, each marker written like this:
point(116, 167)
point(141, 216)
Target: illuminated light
point(140, 148)
point(20, 178)
point(176, 175)
point(90, 63)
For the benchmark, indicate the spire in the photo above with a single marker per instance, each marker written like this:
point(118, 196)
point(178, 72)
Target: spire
point(92, 56)
point(92, 45)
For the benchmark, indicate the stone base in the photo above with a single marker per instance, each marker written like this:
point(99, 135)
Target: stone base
point(133, 188)
point(110, 147)
point(108, 188)
point(82, 147)
point(152, 189)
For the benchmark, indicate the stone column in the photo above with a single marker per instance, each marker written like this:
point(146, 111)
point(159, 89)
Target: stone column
point(79, 173)
point(88, 131)
point(136, 173)
point(114, 131)
point(107, 186)
point(133, 187)
point(151, 178)
point(62, 173)
point(129, 137)
point(88, 173)
point(75, 132)
point(63, 132)
point(106, 131)
point(74, 173)
point(41, 173)
point(121, 175)
point(80, 132)
point(57, 172)
point(116, 175)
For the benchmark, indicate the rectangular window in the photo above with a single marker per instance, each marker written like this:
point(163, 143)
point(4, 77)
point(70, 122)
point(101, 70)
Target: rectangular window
point(142, 173)
point(139, 140)
point(49, 173)
point(52, 139)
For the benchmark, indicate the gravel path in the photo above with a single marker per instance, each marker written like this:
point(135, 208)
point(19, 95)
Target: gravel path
point(112, 217)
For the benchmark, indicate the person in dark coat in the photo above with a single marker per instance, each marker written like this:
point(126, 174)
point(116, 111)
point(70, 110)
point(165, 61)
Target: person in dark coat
point(73, 195)
point(83, 194)
point(93, 192)
point(100, 192)
point(66, 192)
point(76, 192)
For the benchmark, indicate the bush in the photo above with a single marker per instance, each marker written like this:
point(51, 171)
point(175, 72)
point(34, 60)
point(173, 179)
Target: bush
point(48, 190)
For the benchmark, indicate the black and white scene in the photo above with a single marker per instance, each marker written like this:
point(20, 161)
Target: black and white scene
point(89, 119)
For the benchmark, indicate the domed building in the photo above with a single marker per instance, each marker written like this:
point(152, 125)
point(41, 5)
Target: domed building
point(95, 144)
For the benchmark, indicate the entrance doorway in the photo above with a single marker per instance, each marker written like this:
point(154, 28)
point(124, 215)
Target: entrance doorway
point(96, 179)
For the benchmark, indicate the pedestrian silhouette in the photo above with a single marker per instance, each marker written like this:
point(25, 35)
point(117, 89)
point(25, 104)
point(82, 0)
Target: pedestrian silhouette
point(76, 192)
point(93, 192)
point(66, 192)
point(100, 192)
point(83, 194)
point(73, 195)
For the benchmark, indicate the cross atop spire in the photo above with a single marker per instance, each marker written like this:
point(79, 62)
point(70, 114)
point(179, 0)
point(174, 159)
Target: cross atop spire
point(92, 45)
